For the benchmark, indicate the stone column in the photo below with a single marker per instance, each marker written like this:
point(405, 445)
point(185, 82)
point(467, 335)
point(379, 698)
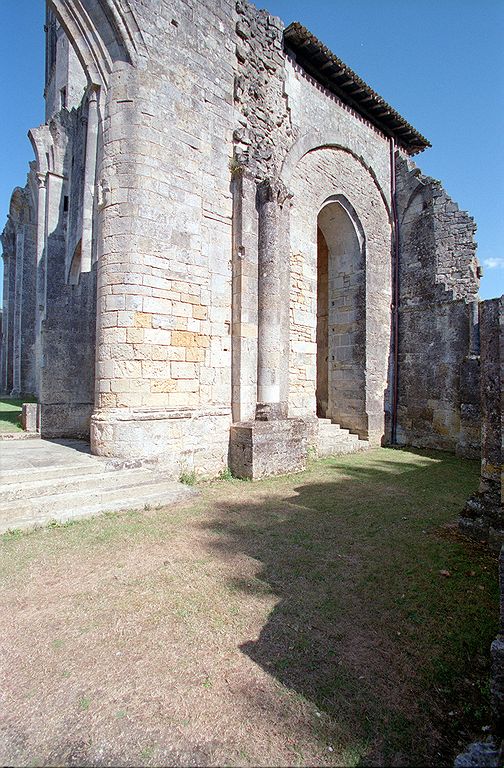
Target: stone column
point(272, 444)
point(89, 180)
point(273, 301)
point(5, 322)
point(40, 270)
point(244, 317)
point(18, 308)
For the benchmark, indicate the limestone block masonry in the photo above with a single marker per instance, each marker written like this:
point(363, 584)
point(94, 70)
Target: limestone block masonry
point(259, 448)
point(223, 239)
point(483, 516)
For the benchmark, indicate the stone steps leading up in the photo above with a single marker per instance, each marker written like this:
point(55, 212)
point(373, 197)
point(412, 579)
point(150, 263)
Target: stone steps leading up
point(74, 505)
point(73, 483)
point(64, 482)
point(334, 440)
point(24, 476)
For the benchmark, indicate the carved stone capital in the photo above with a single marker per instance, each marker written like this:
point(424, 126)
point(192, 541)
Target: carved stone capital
point(273, 190)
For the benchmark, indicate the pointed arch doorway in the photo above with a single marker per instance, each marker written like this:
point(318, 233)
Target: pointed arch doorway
point(341, 316)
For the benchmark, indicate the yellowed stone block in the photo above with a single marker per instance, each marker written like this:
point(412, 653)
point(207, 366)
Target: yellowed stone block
point(143, 320)
point(163, 385)
point(183, 339)
point(134, 335)
point(199, 313)
point(194, 355)
point(107, 400)
point(189, 298)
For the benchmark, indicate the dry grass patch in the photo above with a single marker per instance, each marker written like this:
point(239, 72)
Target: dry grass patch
point(296, 621)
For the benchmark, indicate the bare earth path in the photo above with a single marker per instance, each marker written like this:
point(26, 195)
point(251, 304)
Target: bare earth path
point(297, 621)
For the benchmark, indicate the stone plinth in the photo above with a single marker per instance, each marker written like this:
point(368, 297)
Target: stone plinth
point(30, 417)
point(262, 448)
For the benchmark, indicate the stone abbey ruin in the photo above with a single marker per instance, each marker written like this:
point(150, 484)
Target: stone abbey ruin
point(225, 255)
point(224, 252)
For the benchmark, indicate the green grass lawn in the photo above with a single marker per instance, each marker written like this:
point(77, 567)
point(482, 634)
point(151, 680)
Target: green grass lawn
point(10, 412)
point(334, 617)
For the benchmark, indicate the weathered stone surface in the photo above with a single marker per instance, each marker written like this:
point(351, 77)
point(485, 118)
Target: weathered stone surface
point(482, 754)
point(483, 515)
point(164, 255)
point(438, 286)
point(258, 449)
point(30, 417)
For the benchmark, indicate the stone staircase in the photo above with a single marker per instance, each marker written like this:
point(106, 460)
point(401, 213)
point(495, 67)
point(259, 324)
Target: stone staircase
point(59, 481)
point(335, 441)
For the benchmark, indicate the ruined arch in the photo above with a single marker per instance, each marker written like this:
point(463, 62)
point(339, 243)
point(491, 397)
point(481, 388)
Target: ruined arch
point(341, 315)
point(311, 142)
point(101, 33)
point(333, 178)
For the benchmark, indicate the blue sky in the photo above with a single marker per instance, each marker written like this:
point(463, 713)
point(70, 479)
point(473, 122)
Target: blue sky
point(440, 63)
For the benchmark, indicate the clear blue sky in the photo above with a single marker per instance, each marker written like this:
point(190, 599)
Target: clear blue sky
point(440, 63)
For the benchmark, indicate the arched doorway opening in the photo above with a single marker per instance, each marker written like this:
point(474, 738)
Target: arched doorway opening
point(341, 316)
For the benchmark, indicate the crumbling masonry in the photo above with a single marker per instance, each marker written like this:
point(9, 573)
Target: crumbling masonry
point(224, 252)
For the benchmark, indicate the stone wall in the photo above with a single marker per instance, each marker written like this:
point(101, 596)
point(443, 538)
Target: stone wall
point(438, 404)
point(164, 267)
point(483, 516)
point(177, 197)
point(18, 374)
point(483, 519)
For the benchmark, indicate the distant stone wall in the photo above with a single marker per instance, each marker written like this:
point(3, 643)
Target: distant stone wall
point(483, 516)
point(18, 375)
point(67, 328)
point(438, 403)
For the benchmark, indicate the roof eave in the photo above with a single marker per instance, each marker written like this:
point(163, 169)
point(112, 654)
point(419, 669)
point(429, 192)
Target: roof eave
point(336, 76)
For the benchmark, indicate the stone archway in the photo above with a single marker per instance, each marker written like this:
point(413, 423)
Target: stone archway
point(358, 239)
point(341, 316)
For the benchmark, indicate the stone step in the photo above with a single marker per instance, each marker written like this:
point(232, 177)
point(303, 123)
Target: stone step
point(4, 436)
point(337, 441)
point(340, 449)
point(10, 477)
point(332, 429)
point(327, 421)
point(328, 444)
point(67, 482)
point(85, 503)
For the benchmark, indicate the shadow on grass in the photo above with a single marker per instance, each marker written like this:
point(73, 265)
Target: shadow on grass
point(367, 629)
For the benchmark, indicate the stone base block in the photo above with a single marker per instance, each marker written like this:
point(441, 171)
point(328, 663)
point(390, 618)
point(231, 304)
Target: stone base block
point(263, 448)
point(182, 440)
point(65, 420)
point(497, 685)
point(30, 417)
point(483, 520)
